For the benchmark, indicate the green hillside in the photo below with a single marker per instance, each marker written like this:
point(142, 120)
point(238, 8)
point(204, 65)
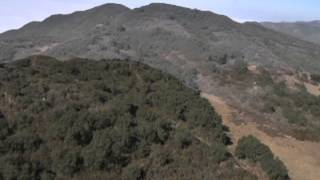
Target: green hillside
point(113, 119)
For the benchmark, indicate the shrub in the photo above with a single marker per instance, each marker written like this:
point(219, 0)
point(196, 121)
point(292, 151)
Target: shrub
point(184, 138)
point(240, 66)
point(220, 153)
point(23, 141)
point(68, 163)
point(252, 149)
point(315, 77)
point(222, 60)
point(4, 128)
point(133, 172)
point(275, 169)
point(293, 116)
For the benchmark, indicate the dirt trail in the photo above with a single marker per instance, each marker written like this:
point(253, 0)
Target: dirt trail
point(302, 158)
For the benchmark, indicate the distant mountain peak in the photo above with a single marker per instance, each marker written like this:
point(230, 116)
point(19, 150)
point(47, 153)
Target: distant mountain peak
point(162, 7)
point(112, 6)
point(316, 21)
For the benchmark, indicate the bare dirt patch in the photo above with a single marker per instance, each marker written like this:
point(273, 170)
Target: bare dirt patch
point(45, 48)
point(302, 158)
point(292, 83)
point(313, 89)
point(254, 69)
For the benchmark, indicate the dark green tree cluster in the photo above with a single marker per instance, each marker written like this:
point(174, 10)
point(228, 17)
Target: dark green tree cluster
point(315, 77)
point(252, 149)
point(103, 119)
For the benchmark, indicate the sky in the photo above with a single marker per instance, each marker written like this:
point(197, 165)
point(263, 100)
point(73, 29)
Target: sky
point(16, 13)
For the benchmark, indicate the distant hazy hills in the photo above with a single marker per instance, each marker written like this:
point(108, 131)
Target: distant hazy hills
point(309, 31)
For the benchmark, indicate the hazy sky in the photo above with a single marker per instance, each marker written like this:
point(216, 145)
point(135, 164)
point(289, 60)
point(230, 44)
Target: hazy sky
point(15, 13)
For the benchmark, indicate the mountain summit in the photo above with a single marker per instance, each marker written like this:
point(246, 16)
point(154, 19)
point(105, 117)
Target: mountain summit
point(156, 33)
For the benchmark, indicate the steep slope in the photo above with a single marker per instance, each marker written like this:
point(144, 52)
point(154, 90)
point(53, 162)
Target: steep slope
point(85, 119)
point(308, 31)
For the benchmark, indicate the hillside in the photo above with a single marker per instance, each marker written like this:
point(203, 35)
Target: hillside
point(112, 119)
point(271, 80)
point(161, 35)
point(308, 31)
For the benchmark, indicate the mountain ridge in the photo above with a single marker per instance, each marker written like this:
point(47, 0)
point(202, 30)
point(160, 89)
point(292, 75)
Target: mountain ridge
point(214, 32)
point(305, 30)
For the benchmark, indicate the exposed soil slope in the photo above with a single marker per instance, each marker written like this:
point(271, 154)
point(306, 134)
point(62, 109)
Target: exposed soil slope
point(301, 158)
